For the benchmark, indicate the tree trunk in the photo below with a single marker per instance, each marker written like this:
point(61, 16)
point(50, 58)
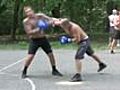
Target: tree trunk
point(15, 19)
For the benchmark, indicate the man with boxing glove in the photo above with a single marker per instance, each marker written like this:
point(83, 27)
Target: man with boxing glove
point(82, 39)
point(33, 26)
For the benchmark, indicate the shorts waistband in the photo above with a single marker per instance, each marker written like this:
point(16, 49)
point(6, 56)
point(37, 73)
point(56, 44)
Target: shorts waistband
point(84, 40)
point(35, 39)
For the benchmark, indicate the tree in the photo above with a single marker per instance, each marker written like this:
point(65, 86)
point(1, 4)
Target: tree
point(15, 19)
point(2, 6)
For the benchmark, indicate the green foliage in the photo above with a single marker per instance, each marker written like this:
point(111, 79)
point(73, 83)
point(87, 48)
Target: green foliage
point(6, 25)
point(55, 44)
point(2, 6)
point(90, 14)
point(6, 14)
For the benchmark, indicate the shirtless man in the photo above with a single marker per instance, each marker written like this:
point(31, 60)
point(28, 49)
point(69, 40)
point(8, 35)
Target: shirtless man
point(81, 38)
point(37, 39)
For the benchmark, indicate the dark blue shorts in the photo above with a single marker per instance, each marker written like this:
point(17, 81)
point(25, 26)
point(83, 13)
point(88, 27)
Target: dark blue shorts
point(111, 32)
point(117, 34)
point(84, 47)
point(39, 42)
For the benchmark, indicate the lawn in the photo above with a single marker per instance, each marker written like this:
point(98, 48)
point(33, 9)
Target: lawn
point(22, 45)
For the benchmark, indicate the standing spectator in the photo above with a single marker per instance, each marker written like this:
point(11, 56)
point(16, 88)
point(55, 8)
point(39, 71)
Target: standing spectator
point(111, 24)
point(116, 36)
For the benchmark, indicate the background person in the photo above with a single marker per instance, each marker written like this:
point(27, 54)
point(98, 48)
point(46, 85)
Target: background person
point(111, 25)
point(117, 32)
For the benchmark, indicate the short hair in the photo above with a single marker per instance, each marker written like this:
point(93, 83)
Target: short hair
point(65, 22)
point(27, 8)
point(114, 11)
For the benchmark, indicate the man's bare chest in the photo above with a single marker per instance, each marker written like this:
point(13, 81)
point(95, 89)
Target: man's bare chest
point(33, 22)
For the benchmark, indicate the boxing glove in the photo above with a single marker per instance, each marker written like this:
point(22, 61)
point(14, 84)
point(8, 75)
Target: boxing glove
point(65, 40)
point(42, 24)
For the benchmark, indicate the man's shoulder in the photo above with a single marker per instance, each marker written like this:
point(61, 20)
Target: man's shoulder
point(117, 16)
point(39, 14)
point(25, 20)
point(111, 16)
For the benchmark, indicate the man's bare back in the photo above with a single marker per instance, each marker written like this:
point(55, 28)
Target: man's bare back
point(74, 30)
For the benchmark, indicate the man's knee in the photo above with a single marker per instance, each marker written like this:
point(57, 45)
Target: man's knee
point(78, 57)
point(49, 52)
point(30, 56)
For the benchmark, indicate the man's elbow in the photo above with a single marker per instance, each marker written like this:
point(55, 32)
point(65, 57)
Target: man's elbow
point(29, 33)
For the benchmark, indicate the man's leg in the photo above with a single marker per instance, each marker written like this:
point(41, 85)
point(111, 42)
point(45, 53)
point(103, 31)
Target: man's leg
point(114, 42)
point(118, 38)
point(52, 59)
point(118, 43)
point(91, 53)
point(53, 64)
point(77, 76)
point(47, 49)
point(113, 45)
point(101, 64)
point(110, 41)
point(111, 34)
point(78, 64)
point(96, 58)
point(28, 61)
point(78, 57)
point(33, 47)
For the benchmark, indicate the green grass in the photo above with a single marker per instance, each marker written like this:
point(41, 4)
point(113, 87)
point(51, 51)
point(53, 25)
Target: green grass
point(56, 45)
point(100, 45)
point(14, 46)
point(95, 45)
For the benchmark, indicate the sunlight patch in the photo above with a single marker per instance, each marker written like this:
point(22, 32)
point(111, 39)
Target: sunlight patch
point(68, 83)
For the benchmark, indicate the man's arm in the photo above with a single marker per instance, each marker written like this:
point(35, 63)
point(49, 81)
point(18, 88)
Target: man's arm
point(117, 21)
point(29, 30)
point(43, 16)
point(33, 32)
point(76, 36)
point(52, 21)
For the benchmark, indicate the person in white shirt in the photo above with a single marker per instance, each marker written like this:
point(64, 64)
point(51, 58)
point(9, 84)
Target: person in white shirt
point(116, 36)
point(111, 28)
